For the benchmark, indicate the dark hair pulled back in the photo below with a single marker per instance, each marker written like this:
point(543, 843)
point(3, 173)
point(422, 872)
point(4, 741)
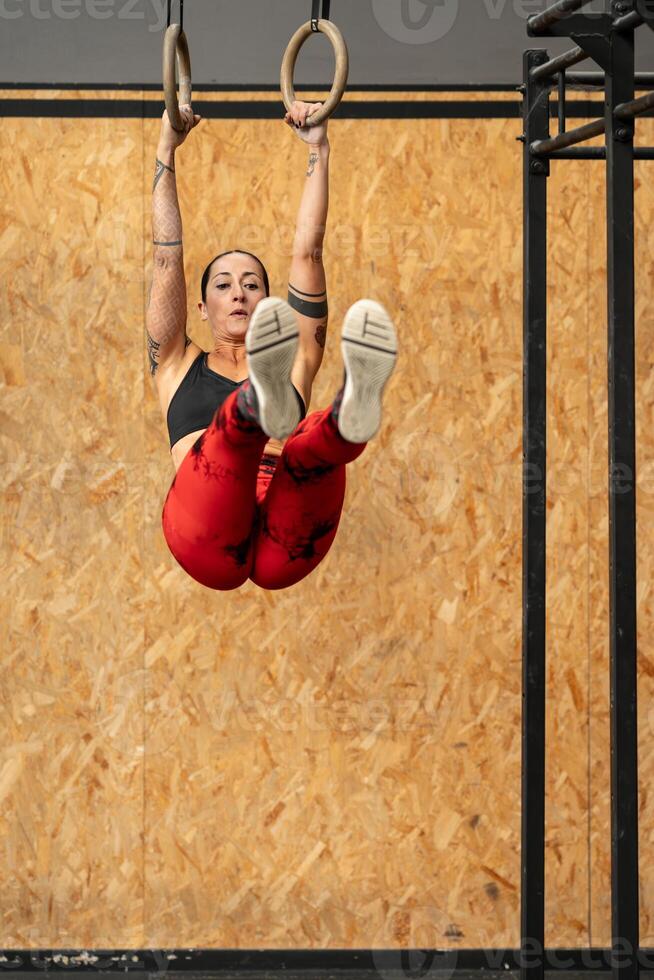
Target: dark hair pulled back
point(205, 275)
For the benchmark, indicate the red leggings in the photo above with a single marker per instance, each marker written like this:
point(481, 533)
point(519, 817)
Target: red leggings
point(233, 514)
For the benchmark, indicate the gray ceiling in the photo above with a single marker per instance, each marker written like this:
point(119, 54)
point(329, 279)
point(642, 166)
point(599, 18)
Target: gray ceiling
point(395, 42)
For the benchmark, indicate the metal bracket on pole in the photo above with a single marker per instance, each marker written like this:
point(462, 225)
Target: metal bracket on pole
point(587, 25)
point(624, 130)
point(624, 127)
point(623, 134)
point(598, 48)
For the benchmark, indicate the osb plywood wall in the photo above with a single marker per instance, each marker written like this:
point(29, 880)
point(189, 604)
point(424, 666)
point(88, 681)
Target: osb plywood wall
point(336, 765)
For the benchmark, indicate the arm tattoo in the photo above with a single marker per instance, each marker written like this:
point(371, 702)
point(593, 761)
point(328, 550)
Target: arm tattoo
point(158, 171)
point(313, 160)
point(153, 350)
point(321, 334)
point(166, 243)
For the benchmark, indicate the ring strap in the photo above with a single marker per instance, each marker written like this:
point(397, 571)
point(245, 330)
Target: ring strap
point(181, 14)
point(317, 15)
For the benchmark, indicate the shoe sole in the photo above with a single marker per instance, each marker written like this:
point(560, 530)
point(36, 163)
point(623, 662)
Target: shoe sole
point(271, 343)
point(369, 347)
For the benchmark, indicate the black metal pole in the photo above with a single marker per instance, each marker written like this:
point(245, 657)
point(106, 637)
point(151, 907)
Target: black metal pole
point(556, 65)
point(535, 172)
point(628, 22)
point(629, 109)
point(573, 136)
point(622, 513)
point(599, 153)
point(644, 79)
point(540, 22)
point(561, 106)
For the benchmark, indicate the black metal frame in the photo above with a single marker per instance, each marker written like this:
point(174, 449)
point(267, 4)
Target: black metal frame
point(609, 39)
point(593, 79)
point(301, 964)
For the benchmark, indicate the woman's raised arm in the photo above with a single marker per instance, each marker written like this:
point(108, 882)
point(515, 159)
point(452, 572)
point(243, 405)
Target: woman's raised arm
point(165, 317)
point(307, 289)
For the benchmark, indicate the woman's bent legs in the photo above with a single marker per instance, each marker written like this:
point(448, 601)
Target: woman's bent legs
point(301, 511)
point(209, 512)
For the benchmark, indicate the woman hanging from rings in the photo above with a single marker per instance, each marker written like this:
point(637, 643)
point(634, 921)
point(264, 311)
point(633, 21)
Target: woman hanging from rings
point(259, 484)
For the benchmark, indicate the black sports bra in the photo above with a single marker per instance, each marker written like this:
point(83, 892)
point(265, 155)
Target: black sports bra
point(194, 403)
point(200, 393)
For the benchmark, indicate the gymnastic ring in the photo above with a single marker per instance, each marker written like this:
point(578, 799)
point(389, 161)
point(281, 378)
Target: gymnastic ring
point(175, 52)
point(340, 77)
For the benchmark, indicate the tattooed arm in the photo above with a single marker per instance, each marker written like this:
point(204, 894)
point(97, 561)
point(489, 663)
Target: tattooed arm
point(165, 317)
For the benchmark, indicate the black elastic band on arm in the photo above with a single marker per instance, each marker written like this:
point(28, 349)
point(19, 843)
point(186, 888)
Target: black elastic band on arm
point(315, 310)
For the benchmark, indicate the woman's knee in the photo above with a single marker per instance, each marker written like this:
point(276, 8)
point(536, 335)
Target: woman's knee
point(273, 578)
point(220, 579)
point(221, 569)
point(274, 567)
point(211, 574)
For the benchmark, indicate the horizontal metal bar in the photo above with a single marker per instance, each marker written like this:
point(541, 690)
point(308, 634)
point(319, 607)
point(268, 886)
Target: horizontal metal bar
point(540, 22)
point(556, 65)
point(541, 148)
point(596, 79)
point(599, 153)
point(585, 153)
point(578, 108)
point(588, 962)
point(626, 23)
point(627, 110)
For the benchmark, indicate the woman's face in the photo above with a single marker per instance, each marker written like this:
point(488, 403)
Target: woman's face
point(235, 284)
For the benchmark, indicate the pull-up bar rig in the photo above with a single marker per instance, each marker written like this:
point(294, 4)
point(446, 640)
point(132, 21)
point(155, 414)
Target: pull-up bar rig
point(608, 39)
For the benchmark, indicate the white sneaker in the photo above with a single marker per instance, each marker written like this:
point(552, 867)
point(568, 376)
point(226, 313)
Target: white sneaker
point(369, 346)
point(271, 343)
